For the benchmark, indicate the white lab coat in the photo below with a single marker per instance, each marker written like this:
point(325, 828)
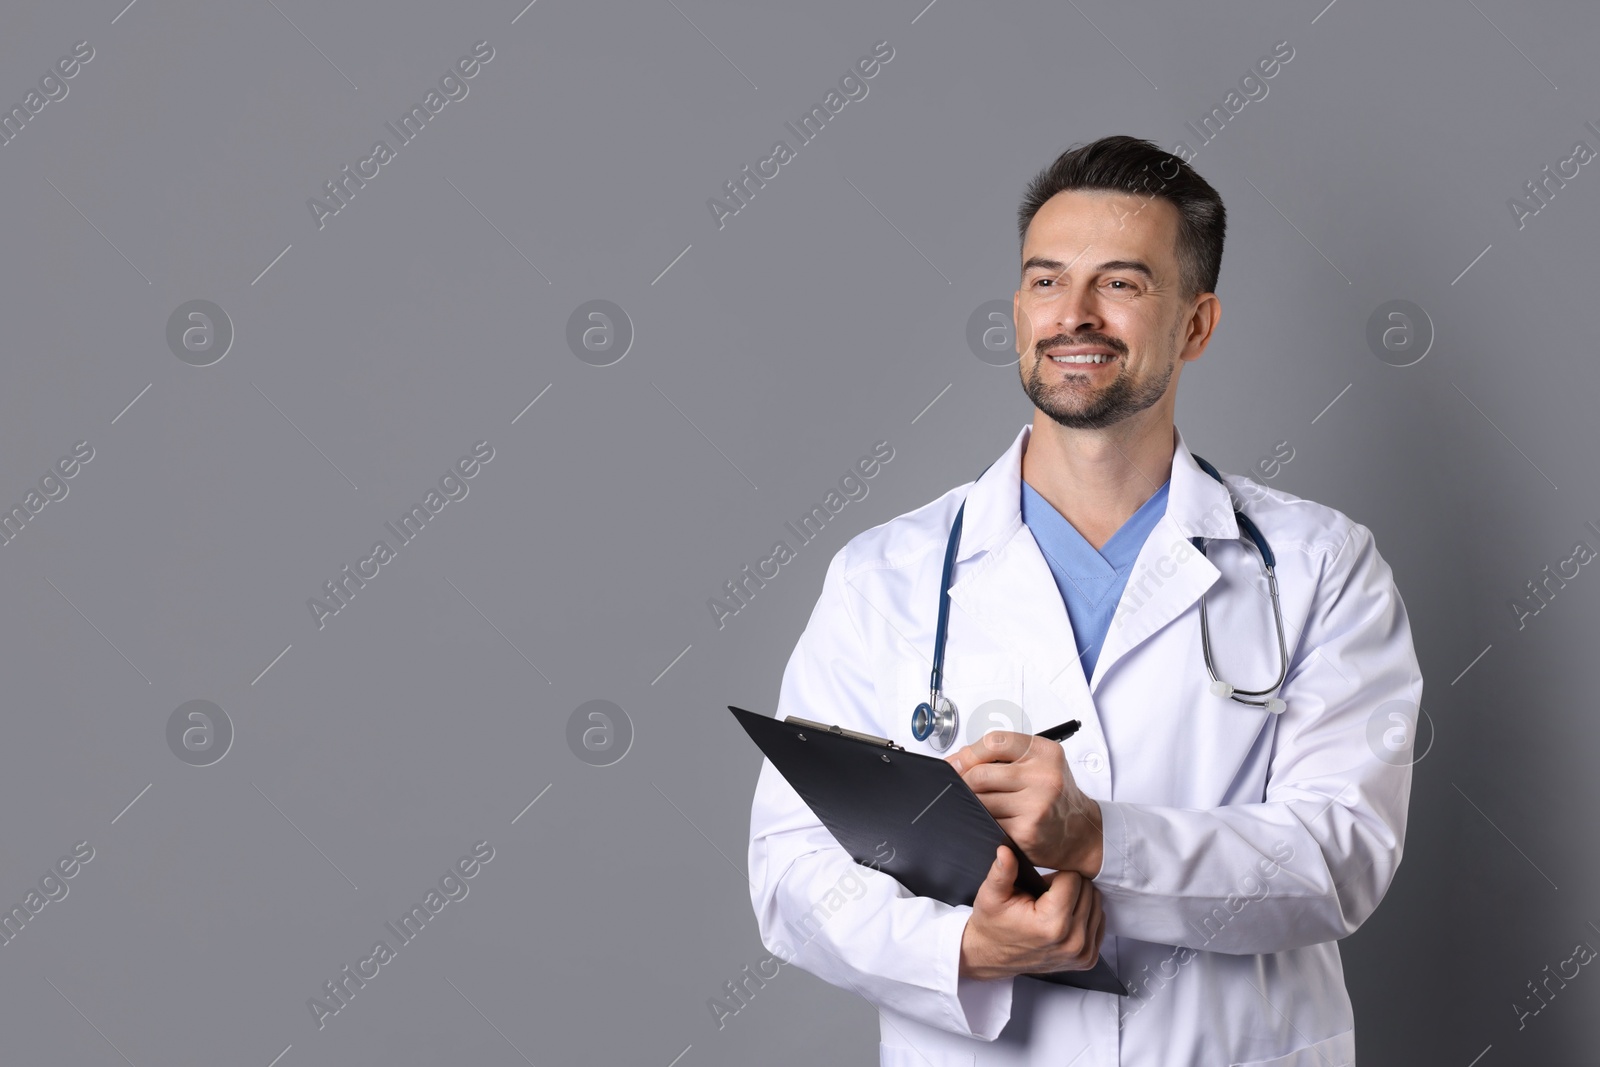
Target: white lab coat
point(1239, 845)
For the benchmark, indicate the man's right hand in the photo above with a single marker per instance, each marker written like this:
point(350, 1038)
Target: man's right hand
point(1010, 932)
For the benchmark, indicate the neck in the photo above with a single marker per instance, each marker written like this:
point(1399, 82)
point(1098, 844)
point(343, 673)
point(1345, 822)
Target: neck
point(1097, 479)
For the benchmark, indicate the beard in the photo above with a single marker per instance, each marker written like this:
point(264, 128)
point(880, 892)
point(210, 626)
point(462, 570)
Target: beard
point(1065, 403)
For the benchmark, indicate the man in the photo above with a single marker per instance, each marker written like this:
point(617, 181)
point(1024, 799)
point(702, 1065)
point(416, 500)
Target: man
point(1212, 851)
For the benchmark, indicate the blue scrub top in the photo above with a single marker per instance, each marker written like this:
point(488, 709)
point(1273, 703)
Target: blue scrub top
point(1090, 581)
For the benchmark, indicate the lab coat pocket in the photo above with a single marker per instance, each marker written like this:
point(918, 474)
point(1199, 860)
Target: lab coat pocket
point(1336, 1051)
point(985, 688)
point(894, 1056)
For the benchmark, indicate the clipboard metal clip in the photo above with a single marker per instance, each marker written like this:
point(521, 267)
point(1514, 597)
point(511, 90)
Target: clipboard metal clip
point(872, 739)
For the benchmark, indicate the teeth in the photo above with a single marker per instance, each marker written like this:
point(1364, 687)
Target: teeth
point(1081, 359)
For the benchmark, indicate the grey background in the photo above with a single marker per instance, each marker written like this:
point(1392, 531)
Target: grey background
point(829, 314)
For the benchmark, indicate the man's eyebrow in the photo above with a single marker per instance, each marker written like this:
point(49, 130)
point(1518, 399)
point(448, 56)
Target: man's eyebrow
point(1045, 263)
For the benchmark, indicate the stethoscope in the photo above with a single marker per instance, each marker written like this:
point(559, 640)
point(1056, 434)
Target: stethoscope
point(938, 718)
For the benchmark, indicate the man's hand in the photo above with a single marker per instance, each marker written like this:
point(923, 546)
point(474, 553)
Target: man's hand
point(1009, 932)
point(1024, 782)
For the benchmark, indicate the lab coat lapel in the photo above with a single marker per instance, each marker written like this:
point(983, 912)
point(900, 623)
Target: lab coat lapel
point(1003, 584)
point(1170, 575)
point(1012, 596)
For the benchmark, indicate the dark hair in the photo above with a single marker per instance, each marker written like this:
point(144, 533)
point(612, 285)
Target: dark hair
point(1134, 165)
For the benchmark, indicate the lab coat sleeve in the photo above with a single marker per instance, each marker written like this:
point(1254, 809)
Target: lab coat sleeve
point(1312, 861)
point(852, 925)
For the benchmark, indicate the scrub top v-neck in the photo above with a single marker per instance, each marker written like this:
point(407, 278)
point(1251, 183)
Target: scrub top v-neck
point(1090, 581)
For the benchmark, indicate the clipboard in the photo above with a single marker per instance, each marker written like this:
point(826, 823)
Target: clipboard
point(868, 790)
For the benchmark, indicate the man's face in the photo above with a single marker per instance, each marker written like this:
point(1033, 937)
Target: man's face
point(1100, 279)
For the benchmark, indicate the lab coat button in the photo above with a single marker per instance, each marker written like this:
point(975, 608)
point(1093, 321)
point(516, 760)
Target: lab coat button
point(1095, 762)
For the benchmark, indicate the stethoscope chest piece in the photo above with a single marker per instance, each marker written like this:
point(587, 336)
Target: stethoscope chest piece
point(936, 721)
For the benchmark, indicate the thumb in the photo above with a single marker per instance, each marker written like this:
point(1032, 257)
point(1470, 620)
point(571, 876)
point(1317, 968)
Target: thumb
point(999, 884)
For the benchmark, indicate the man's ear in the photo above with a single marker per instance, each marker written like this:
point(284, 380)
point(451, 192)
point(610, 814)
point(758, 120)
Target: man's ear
point(1200, 326)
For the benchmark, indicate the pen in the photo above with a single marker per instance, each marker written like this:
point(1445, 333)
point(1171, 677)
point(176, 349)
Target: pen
point(1062, 732)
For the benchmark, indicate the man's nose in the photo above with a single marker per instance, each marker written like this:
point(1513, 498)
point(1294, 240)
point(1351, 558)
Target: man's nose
point(1078, 310)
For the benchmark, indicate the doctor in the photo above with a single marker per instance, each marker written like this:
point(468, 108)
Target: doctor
point(1212, 851)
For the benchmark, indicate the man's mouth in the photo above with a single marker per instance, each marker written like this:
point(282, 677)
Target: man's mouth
point(1090, 358)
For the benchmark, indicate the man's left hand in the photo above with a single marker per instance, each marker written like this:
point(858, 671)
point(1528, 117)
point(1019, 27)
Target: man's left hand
point(1024, 782)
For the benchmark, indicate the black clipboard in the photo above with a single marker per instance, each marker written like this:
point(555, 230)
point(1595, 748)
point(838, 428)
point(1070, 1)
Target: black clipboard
point(868, 790)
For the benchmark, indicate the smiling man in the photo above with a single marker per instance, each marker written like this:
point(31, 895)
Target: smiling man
point(1235, 801)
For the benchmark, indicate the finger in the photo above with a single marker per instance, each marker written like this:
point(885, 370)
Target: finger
point(1095, 911)
point(1097, 932)
point(1002, 746)
point(1064, 888)
point(1080, 931)
point(995, 778)
point(1087, 904)
point(1017, 804)
point(1000, 883)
